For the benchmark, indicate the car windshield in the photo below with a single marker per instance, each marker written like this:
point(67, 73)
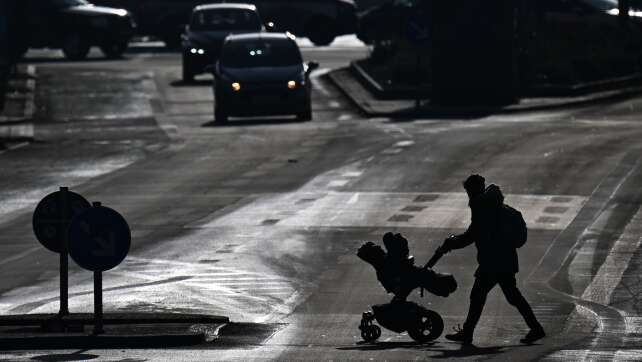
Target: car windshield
point(604, 5)
point(68, 3)
point(260, 53)
point(225, 19)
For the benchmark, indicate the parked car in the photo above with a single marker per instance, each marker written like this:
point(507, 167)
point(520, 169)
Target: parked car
point(385, 22)
point(320, 20)
point(76, 25)
point(262, 74)
point(584, 39)
point(209, 26)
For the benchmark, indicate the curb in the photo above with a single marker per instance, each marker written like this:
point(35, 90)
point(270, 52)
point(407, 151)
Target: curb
point(122, 330)
point(100, 341)
point(366, 102)
point(111, 318)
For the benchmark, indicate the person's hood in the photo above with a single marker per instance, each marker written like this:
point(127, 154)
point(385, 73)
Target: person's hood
point(492, 196)
point(94, 10)
point(262, 74)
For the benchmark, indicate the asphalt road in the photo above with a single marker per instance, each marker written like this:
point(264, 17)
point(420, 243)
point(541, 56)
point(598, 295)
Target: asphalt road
point(260, 219)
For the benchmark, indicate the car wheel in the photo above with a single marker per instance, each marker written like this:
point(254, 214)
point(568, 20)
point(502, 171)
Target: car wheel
point(114, 50)
point(75, 47)
point(320, 31)
point(188, 75)
point(220, 116)
point(306, 115)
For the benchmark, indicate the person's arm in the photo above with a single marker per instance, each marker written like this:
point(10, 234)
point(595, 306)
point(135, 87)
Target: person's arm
point(460, 241)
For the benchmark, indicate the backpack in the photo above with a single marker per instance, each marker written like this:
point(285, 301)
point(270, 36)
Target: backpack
point(512, 227)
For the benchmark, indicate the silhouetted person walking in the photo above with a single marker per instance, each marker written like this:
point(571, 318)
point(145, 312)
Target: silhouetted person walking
point(497, 260)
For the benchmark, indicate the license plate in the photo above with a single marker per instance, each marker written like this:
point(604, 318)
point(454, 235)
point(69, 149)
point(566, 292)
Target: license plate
point(265, 99)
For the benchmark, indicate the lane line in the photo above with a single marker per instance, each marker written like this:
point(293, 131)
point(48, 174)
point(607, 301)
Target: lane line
point(20, 255)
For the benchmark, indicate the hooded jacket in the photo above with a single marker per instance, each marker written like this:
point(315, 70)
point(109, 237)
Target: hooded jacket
point(493, 255)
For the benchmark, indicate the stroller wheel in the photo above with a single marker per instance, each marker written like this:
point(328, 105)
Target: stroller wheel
point(371, 333)
point(430, 325)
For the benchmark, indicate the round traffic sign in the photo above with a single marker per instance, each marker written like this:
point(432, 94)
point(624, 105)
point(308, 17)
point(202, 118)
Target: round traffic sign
point(53, 215)
point(99, 238)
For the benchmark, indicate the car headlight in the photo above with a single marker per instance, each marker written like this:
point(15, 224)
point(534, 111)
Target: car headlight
point(291, 84)
point(198, 51)
point(236, 86)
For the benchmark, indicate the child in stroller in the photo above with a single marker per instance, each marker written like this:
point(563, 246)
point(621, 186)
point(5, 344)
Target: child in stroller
point(397, 272)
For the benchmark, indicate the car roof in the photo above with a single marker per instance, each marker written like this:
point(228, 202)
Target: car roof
point(233, 38)
point(238, 6)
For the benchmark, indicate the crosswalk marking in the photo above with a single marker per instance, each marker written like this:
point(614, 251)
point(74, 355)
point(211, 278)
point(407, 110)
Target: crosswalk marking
point(373, 209)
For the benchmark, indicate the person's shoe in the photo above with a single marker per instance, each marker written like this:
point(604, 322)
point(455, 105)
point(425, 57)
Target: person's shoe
point(460, 335)
point(533, 335)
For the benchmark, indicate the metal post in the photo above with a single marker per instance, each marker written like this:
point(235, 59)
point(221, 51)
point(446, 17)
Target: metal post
point(417, 79)
point(98, 302)
point(623, 11)
point(64, 253)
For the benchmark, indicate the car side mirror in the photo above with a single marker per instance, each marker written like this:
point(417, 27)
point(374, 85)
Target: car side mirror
point(312, 66)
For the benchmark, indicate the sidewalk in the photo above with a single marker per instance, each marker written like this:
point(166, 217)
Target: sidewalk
point(121, 330)
point(354, 83)
point(16, 128)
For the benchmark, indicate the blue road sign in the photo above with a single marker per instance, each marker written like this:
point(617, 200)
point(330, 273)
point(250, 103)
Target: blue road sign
point(53, 215)
point(99, 238)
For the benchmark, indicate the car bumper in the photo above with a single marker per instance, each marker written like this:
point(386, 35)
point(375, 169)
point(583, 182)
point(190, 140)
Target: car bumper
point(253, 103)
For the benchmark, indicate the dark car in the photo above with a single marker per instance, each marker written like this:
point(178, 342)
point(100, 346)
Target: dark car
point(76, 25)
point(387, 22)
point(583, 39)
point(262, 74)
point(209, 26)
point(319, 20)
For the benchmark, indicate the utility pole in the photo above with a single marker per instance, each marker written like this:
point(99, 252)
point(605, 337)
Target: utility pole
point(623, 11)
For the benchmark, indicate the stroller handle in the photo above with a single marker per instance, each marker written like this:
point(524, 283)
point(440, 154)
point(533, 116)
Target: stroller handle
point(435, 258)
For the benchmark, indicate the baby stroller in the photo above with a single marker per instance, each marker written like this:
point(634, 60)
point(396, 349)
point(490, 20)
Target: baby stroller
point(398, 274)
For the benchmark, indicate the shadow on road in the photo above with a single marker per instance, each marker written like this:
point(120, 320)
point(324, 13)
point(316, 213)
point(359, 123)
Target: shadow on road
point(194, 83)
point(252, 122)
point(443, 353)
point(76, 356)
point(378, 346)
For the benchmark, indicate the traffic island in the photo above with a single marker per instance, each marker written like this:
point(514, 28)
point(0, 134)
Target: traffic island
point(121, 330)
point(374, 99)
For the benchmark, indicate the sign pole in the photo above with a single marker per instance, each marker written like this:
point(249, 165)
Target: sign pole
point(98, 302)
point(64, 254)
point(418, 79)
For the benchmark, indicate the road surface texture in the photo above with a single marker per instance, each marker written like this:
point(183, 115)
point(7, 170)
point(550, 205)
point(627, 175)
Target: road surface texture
point(260, 219)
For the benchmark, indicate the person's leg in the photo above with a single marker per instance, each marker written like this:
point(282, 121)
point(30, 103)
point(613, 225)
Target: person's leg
point(514, 297)
point(483, 284)
point(509, 286)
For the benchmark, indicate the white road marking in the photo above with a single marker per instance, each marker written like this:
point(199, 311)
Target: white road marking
point(338, 183)
point(373, 209)
point(617, 261)
point(20, 255)
point(317, 84)
point(352, 174)
point(407, 143)
point(344, 117)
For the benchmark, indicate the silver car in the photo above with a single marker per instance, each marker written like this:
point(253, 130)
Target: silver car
point(262, 74)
